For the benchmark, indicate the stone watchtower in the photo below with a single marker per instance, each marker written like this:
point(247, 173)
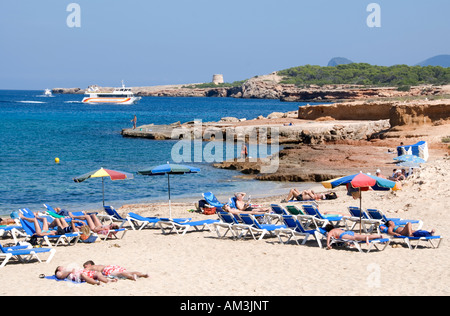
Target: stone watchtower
point(217, 79)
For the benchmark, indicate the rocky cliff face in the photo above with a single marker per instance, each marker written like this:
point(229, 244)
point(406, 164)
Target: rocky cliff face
point(398, 114)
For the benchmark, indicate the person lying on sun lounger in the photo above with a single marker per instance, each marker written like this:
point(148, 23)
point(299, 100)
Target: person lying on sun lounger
point(308, 195)
point(242, 206)
point(94, 223)
point(49, 229)
point(114, 271)
point(406, 230)
point(234, 211)
point(79, 275)
point(7, 221)
point(346, 234)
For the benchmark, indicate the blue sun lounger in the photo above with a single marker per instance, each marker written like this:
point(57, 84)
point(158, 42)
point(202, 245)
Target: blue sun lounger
point(211, 199)
point(379, 244)
point(24, 254)
point(413, 242)
point(112, 216)
point(295, 229)
point(314, 211)
point(231, 224)
point(256, 228)
point(66, 239)
point(168, 225)
point(377, 214)
point(139, 222)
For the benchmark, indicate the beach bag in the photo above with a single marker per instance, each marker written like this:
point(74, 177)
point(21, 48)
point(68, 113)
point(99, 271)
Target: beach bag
point(331, 196)
point(14, 215)
point(208, 210)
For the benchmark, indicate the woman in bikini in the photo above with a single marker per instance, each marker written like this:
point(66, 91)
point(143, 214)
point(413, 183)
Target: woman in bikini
point(396, 230)
point(94, 223)
point(346, 235)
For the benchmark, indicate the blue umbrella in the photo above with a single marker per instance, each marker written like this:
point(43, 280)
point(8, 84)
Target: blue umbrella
point(408, 164)
point(412, 158)
point(168, 169)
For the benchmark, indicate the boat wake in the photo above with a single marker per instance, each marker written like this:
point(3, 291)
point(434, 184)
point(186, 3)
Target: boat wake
point(37, 102)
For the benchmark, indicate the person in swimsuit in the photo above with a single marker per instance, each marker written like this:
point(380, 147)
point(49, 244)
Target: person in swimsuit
point(396, 230)
point(114, 271)
point(49, 229)
point(234, 211)
point(40, 232)
point(242, 206)
point(346, 235)
point(80, 275)
point(7, 221)
point(305, 195)
point(94, 223)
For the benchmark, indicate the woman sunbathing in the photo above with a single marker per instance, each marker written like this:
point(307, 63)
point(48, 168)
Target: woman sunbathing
point(234, 211)
point(341, 234)
point(308, 195)
point(242, 206)
point(79, 275)
point(396, 230)
point(94, 223)
point(114, 271)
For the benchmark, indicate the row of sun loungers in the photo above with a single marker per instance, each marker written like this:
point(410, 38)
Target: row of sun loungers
point(293, 223)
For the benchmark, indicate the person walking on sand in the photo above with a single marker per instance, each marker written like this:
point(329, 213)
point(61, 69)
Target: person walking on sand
point(134, 120)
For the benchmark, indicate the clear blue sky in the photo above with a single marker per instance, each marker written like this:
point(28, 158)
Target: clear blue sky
point(149, 42)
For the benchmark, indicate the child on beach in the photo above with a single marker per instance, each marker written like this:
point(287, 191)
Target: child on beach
point(114, 271)
point(80, 275)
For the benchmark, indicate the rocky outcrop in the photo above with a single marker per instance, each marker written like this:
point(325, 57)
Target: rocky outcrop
point(419, 114)
point(270, 87)
point(398, 113)
point(67, 91)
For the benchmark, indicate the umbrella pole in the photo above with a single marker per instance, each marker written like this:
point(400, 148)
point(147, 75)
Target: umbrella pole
point(168, 184)
point(360, 210)
point(103, 189)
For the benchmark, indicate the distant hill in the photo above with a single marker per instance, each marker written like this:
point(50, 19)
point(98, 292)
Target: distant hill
point(339, 61)
point(439, 60)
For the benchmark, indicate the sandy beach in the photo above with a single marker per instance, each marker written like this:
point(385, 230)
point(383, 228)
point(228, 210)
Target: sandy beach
point(201, 264)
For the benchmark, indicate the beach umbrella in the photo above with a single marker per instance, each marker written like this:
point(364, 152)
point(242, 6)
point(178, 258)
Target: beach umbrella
point(103, 173)
point(410, 158)
point(168, 169)
point(363, 182)
point(408, 164)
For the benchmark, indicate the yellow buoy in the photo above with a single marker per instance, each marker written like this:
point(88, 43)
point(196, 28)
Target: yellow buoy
point(57, 160)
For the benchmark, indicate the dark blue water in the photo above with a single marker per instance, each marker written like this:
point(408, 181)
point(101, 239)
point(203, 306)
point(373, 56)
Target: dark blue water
point(34, 130)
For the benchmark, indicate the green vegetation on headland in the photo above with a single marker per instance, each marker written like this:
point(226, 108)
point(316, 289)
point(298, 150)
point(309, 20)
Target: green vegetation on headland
point(367, 75)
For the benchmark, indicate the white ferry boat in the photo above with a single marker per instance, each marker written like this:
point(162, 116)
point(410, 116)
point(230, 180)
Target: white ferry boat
point(48, 93)
point(121, 95)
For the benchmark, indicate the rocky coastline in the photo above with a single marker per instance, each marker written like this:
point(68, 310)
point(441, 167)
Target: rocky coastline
point(270, 87)
point(358, 132)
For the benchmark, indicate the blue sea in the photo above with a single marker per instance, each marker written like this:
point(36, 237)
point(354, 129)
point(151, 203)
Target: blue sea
point(34, 130)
